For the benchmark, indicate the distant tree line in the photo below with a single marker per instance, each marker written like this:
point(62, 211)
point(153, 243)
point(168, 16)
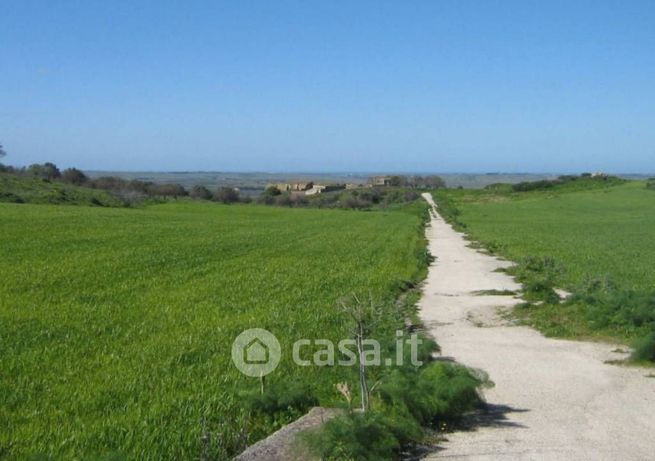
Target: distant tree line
point(584, 178)
point(362, 198)
point(128, 190)
point(134, 190)
point(417, 182)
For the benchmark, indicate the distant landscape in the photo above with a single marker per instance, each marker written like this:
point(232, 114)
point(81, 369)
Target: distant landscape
point(253, 183)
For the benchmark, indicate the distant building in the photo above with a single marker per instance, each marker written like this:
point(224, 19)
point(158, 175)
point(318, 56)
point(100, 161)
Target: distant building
point(381, 180)
point(302, 185)
point(287, 187)
point(316, 189)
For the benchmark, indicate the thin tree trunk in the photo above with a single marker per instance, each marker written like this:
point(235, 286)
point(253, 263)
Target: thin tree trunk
point(363, 385)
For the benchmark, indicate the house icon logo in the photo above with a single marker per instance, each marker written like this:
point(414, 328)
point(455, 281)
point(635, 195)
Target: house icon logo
point(256, 352)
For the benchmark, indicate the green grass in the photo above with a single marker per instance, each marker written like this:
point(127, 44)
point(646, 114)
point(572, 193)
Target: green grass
point(597, 233)
point(116, 324)
point(19, 189)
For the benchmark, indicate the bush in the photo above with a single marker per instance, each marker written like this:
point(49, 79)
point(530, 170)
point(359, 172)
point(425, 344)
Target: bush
point(584, 181)
point(538, 276)
point(272, 191)
point(608, 306)
point(534, 185)
point(10, 197)
point(644, 348)
point(434, 393)
point(226, 195)
point(200, 193)
point(355, 203)
point(284, 200)
point(410, 398)
point(74, 176)
point(166, 190)
point(47, 171)
point(354, 436)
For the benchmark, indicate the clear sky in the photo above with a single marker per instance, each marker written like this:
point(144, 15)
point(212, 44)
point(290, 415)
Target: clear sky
point(429, 86)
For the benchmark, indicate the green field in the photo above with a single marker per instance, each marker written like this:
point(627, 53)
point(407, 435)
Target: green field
point(116, 324)
point(595, 233)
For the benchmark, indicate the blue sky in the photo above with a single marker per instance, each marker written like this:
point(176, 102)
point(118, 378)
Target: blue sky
point(433, 86)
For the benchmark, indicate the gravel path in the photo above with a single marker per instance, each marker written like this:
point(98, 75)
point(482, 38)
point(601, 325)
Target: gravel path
point(553, 399)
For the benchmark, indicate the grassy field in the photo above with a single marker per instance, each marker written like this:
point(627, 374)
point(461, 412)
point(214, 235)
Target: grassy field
point(602, 234)
point(596, 233)
point(18, 189)
point(116, 324)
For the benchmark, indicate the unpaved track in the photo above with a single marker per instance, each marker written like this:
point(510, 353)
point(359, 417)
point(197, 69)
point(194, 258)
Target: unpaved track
point(553, 399)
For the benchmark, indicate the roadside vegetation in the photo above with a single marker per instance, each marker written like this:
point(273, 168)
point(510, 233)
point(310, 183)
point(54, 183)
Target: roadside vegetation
point(591, 236)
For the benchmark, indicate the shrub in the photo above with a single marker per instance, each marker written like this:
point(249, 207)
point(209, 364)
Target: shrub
point(10, 197)
point(355, 203)
point(299, 200)
point(272, 191)
point(581, 182)
point(533, 185)
point(284, 200)
point(538, 276)
point(166, 190)
point(74, 176)
point(644, 348)
point(409, 399)
point(436, 392)
point(354, 436)
point(610, 306)
point(47, 171)
point(200, 193)
point(226, 195)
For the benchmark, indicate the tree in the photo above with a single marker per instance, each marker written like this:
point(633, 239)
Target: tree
point(434, 182)
point(226, 195)
point(272, 191)
point(3, 153)
point(397, 181)
point(364, 315)
point(46, 171)
point(201, 193)
point(74, 176)
point(166, 190)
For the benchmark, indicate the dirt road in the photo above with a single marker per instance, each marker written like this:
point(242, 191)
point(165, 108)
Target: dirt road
point(553, 399)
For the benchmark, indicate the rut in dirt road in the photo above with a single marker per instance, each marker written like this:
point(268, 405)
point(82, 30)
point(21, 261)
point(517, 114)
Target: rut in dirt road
point(553, 399)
